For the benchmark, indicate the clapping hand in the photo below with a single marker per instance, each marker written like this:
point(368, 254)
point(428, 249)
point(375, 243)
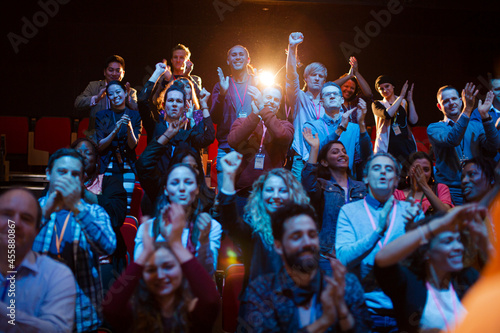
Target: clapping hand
point(223, 81)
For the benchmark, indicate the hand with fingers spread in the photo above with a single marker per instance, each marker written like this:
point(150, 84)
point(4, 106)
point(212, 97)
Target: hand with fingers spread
point(223, 81)
point(485, 107)
point(311, 139)
point(295, 38)
point(469, 94)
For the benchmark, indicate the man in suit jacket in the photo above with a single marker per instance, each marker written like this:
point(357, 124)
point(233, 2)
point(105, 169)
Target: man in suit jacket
point(94, 96)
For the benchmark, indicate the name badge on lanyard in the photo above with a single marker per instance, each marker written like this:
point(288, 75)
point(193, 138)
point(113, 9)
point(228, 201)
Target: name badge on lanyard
point(396, 129)
point(259, 158)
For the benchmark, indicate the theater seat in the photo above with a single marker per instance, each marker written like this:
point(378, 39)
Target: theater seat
point(129, 230)
point(230, 296)
point(142, 144)
point(52, 133)
point(16, 133)
point(83, 125)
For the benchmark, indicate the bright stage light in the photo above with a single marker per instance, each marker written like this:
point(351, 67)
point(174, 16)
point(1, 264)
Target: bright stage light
point(266, 78)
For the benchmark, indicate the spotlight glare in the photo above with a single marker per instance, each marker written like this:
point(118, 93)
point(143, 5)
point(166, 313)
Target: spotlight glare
point(266, 78)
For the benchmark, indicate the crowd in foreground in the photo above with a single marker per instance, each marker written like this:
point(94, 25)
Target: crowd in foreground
point(336, 234)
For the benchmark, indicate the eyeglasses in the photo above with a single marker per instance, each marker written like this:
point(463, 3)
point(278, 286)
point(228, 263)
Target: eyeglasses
point(335, 94)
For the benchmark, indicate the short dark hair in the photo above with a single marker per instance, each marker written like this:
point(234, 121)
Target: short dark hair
point(183, 48)
point(328, 84)
point(38, 207)
point(397, 165)
point(176, 86)
point(62, 153)
point(287, 211)
point(444, 88)
point(485, 164)
point(119, 83)
point(114, 58)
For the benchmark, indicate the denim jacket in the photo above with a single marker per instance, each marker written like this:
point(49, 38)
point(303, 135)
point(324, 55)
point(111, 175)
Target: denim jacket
point(327, 197)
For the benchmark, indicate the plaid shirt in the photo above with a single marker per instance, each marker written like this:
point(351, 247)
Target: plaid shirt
point(92, 236)
point(267, 305)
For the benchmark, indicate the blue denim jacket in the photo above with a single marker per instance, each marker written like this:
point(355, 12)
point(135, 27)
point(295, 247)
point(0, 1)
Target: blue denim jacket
point(327, 197)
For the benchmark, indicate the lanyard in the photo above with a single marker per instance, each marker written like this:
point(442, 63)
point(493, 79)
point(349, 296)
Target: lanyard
point(263, 135)
point(316, 111)
point(59, 240)
point(370, 216)
point(237, 92)
point(431, 291)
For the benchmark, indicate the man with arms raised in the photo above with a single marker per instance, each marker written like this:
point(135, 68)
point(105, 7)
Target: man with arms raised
point(231, 99)
point(300, 298)
point(365, 226)
point(44, 290)
point(456, 139)
point(306, 104)
point(75, 233)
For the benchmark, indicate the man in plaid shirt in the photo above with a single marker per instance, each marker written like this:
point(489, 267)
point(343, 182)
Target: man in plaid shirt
point(75, 233)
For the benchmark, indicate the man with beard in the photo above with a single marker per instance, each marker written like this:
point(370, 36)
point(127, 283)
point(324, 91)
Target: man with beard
point(365, 226)
point(261, 138)
point(456, 138)
point(334, 125)
point(300, 298)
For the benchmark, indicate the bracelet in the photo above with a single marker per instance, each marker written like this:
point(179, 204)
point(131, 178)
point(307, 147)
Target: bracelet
point(205, 108)
point(166, 136)
point(342, 128)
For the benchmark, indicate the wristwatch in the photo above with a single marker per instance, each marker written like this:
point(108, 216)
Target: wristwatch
point(78, 208)
point(487, 119)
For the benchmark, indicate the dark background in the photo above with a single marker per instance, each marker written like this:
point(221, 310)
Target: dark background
point(430, 43)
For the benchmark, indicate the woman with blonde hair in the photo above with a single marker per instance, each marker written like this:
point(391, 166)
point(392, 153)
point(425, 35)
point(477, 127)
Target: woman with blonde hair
point(253, 232)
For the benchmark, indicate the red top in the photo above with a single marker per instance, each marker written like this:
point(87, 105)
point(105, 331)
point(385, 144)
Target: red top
point(118, 310)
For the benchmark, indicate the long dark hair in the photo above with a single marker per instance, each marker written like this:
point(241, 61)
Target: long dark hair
point(163, 200)
point(207, 195)
point(324, 171)
point(147, 310)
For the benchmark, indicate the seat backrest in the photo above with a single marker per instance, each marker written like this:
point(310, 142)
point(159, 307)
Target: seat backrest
point(230, 296)
point(128, 231)
point(83, 125)
point(52, 133)
point(142, 144)
point(135, 204)
point(16, 132)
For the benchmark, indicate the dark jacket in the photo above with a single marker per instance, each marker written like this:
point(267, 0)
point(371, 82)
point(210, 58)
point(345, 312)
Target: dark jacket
point(327, 197)
point(408, 292)
point(105, 124)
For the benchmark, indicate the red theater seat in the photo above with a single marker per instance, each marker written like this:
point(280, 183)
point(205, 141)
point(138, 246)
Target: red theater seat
point(16, 133)
point(52, 133)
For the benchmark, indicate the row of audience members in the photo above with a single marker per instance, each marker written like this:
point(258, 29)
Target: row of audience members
point(288, 262)
point(289, 226)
